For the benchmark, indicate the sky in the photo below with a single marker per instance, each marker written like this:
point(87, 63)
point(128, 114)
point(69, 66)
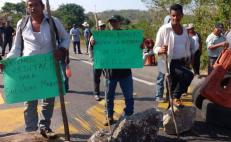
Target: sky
point(94, 5)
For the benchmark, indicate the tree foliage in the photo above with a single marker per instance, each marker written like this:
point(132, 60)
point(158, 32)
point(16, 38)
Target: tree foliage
point(70, 14)
point(18, 8)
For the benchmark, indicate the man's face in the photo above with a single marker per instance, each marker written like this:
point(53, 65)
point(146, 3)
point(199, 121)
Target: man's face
point(35, 7)
point(101, 28)
point(218, 31)
point(115, 24)
point(176, 17)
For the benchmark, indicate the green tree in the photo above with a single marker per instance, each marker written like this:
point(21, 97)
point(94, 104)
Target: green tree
point(70, 14)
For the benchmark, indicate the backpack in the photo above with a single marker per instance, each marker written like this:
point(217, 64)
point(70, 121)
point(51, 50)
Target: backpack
point(25, 20)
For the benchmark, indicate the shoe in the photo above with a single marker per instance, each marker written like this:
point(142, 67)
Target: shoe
point(108, 122)
point(178, 103)
point(97, 98)
point(160, 100)
point(47, 133)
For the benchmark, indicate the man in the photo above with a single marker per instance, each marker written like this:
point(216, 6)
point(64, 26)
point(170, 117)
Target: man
point(1, 34)
point(96, 72)
point(8, 37)
point(215, 43)
point(159, 92)
point(75, 34)
point(198, 48)
point(36, 39)
point(175, 51)
point(87, 35)
point(124, 77)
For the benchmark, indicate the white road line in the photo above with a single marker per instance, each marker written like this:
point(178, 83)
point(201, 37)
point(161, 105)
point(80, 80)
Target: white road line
point(134, 78)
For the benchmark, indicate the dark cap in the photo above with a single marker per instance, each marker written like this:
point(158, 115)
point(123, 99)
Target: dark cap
point(116, 18)
point(219, 26)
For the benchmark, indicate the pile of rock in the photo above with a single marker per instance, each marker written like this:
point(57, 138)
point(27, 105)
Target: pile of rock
point(139, 127)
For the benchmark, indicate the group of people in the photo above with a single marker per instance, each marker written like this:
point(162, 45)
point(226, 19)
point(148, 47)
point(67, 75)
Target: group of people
point(76, 37)
point(175, 46)
point(7, 33)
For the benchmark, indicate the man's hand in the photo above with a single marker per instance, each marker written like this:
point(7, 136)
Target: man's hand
point(60, 53)
point(92, 42)
point(163, 50)
point(226, 44)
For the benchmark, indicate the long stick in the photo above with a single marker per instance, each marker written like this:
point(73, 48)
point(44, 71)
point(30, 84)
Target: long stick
point(171, 97)
point(58, 73)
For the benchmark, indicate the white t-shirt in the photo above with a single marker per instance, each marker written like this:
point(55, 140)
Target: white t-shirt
point(179, 50)
point(196, 42)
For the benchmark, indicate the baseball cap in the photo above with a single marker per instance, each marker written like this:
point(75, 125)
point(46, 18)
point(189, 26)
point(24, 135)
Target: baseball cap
point(219, 26)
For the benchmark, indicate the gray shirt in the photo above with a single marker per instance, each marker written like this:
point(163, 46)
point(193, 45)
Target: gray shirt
point(212, 39)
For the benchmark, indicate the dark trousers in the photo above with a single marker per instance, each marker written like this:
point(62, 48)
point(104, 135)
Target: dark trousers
point(96, 75)
point(196, 65)
point(211, 61)
point(180, 78)
point(76, 43)
point(9, 42)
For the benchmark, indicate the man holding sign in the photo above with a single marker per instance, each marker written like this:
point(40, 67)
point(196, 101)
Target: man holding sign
point(124, 77)
point(33, 39)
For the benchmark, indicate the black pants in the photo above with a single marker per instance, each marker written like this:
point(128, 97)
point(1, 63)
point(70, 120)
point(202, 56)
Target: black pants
point(211, 61)
point(96, 75)
point(180, 78)
point(196, 65)
point(76, 43)
point(9, 42)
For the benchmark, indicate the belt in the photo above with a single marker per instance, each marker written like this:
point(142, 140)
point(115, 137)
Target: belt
point(181, 61)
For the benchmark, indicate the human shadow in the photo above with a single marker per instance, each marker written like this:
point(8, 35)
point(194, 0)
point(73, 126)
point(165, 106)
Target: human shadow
point(205, 132)
point(73, 137)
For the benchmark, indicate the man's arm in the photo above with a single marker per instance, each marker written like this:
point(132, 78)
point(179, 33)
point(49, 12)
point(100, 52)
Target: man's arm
point(159, 47)
point(63, 35)
point(16, 47)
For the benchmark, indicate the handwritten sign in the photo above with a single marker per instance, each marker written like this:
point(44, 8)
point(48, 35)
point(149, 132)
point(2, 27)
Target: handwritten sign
point(118, 49)
point(29, 78)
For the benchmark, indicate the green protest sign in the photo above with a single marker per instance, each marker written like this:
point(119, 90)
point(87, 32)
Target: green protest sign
point(118, 49)
point(29, 78)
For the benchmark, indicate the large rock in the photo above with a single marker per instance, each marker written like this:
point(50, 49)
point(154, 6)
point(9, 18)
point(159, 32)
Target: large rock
point(184, 118)
point(139, 127)
point(25, 137)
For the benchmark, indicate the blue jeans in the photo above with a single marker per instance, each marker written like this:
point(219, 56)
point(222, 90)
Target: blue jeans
point(31, 114)
point(159, 85)
point(126, 85)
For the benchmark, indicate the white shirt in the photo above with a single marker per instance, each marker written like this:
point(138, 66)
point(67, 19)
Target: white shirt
point(179, 46)
point(165, 36)
point(75, 33)
point(37, 42)
point(196, 41)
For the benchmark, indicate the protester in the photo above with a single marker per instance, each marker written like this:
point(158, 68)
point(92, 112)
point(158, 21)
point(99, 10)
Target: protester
point(75, 34)
point(87, 35)
point(215, 43)
point(124, 77)
point(175, 51)
point(9, 32)
point(36, 38)
point(198, 48)
point(161, 76)
point(1, 34)
point(96, 72)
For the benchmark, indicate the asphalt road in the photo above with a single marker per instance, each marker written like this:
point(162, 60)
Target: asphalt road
point(85, 115)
